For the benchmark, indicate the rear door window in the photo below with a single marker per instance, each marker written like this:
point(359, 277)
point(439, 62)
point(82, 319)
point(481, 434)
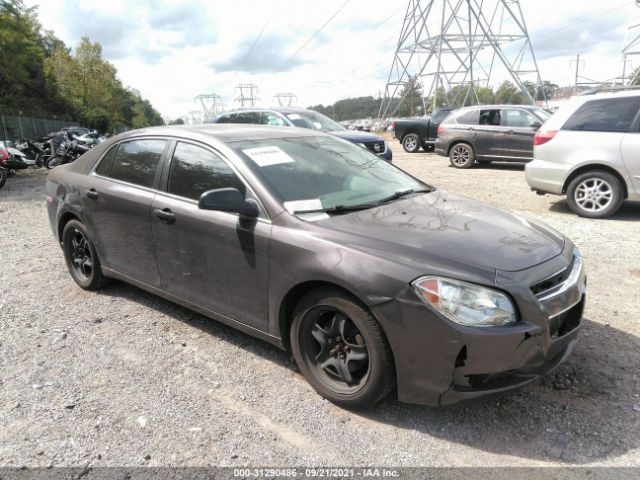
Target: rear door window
point(104, 168)
point(604, 115)
point(195, 170)
point(137, 161)
point(489, 117)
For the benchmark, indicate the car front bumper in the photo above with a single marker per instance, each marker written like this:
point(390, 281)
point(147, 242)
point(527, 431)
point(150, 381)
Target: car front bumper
point(441, 363)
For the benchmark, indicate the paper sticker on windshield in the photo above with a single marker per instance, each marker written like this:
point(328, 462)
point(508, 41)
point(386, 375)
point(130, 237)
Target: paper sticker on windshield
point(294, 116)
point(265, 156)
point(303, 205)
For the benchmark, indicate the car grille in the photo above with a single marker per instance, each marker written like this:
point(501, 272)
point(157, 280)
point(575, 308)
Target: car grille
point(566, 322)
point(375, 147)
point(550, 285)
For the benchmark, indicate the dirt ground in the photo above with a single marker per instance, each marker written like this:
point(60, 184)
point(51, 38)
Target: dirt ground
point(124, 378)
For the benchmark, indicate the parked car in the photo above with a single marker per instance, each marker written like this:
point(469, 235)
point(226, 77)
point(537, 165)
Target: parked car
point(590, 151)
point(414, 133)
point(300, 117)
point(489, 133)
point(372, 278)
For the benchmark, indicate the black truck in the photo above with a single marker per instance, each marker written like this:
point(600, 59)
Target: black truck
point(414, 133)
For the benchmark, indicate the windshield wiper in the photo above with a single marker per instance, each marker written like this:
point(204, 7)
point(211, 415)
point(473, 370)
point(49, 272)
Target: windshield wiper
point(338, 209)
point(403, 193)
point(364, 206)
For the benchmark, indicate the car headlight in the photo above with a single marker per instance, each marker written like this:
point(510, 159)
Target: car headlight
point(465, 303)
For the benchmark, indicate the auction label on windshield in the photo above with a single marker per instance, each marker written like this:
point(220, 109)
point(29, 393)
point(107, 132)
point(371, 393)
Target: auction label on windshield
point(265, 156)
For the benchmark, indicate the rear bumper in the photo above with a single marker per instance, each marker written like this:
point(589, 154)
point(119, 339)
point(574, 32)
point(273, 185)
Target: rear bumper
point(548, 177)
point(441, 151)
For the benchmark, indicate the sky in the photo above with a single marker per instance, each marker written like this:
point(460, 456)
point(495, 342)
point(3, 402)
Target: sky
point(172, 51)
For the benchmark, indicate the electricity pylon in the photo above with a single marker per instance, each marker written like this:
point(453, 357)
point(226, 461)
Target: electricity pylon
point(211, 106)
point(631, 47)
point(247, 94)
point(285, 99)
point(446, 44)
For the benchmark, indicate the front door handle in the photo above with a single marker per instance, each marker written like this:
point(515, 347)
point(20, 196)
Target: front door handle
point(165, 215)
point(92, 194)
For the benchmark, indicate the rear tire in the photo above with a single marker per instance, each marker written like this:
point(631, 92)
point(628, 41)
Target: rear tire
point(595, 194)
point(3, 176)
point(81, 257)
point(341, 350)
point(411, 143)
point(462, 155)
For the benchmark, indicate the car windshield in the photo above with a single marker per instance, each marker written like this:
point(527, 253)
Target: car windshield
point(324, 173)
point(315, 121)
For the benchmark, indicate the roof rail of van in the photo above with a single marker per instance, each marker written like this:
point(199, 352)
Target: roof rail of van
point(610, 89)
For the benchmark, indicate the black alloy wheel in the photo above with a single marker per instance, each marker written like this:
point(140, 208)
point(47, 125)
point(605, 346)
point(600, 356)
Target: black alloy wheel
point(81, 257)
point(341, 349)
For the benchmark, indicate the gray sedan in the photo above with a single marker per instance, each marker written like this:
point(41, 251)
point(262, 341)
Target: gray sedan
point(374, 280)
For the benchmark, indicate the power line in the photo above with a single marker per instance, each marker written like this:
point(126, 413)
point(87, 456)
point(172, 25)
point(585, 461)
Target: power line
point(319, 30)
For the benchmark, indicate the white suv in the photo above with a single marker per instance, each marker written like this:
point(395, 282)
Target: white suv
point(590, 151)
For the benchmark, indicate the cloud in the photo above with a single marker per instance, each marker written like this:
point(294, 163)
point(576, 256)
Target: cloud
point(270, 55)
point(191, 22)
point(606, 34)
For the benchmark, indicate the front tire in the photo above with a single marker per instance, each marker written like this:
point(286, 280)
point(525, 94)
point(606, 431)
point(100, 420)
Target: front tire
point(81, 257)
point(411, 143)
point(595, 194)
point(341, 350)
point(462, 155)
point(53, 162)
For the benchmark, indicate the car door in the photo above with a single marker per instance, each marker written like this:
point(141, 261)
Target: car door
point(213, 259)
point(488, 133)
point(521, 127)
point(117, 206)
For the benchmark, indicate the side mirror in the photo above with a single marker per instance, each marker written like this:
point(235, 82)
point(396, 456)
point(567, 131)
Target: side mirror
point(536, 124)
point(228, 200)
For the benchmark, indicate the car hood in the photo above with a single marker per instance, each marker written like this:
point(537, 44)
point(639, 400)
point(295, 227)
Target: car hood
point(356, 136)
point(439, 226)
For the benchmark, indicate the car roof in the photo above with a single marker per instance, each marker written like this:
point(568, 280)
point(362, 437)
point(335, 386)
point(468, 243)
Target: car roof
point(225, 132)
point(484, 107)
point(273, 109)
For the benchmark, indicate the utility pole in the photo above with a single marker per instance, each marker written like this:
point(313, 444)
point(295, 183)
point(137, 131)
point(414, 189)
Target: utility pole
point(575, 85)
point(211, 105)
point(286, 99)
point(458, 46)
point(247, 94)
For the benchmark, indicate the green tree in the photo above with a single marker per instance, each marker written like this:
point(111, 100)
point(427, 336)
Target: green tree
point(510, 94)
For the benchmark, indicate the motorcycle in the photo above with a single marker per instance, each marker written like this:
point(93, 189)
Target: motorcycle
point(67, 152)
point(4, 169)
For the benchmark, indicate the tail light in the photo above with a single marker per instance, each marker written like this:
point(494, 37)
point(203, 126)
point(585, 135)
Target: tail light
point(543, 136)
point(440, 130)
point(4, 155)
point(393, 125)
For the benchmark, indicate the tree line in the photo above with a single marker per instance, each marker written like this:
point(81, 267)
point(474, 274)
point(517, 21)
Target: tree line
point(41, 77)
point(412, 100)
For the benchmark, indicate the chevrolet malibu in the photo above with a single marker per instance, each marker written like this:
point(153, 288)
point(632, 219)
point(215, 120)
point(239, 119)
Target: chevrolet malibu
point(374, 280)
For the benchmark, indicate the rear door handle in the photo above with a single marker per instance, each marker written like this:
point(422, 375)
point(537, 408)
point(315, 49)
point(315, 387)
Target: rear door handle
point(165, 215)
point(92, 194)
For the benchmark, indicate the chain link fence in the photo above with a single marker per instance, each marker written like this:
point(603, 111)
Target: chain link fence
point(15, 128)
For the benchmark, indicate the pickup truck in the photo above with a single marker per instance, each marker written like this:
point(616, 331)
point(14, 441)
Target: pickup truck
point(414, 133)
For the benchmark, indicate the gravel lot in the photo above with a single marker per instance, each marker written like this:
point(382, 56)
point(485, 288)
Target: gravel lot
point(123, 378)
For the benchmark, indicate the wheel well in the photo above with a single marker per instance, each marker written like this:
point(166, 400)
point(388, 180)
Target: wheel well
point(64, 219)
point(292, 298)
point(458, 142)
point(409, 132)
point(591, 167)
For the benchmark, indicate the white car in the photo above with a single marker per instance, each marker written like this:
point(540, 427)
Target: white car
point(590, 151)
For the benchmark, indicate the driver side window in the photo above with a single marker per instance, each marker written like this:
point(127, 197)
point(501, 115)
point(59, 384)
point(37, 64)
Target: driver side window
point(195, 170)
